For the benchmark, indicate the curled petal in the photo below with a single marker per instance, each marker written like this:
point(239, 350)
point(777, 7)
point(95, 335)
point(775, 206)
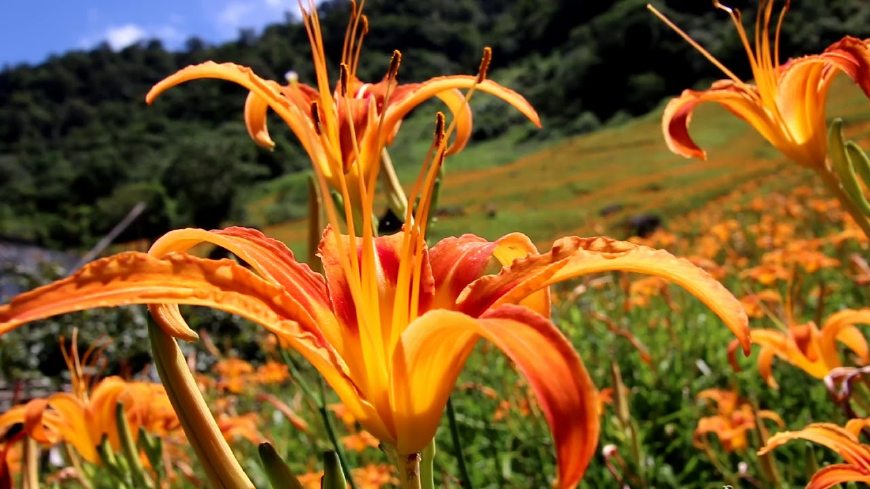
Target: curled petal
point(256, 108)
point(834, 475)
point(829, 435)
point(398, 109)
point(741, 99)
point(572, 257)
point(840, 326)
point(433, 350)
point(268, 92)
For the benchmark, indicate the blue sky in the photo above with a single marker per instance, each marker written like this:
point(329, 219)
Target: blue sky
point(31, 30)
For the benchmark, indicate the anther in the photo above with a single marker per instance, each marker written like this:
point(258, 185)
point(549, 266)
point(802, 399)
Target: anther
point(315, 117)
point(343, 78)
point(484, 64)
point(365, 24)
point(439, 128)
point(395, 61)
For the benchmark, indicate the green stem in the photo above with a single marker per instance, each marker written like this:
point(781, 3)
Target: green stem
point(128, 448)
point(221, 467)
point(834, 187)
point(465, 478)
point(336, 443)
point(427, 466)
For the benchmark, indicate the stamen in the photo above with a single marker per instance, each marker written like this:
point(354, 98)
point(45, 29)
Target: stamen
point(484, 64)
point(363, 32)
point(345, 48)
point(439, 128)
point(343, 80)
point(776, 36)
point(315, 117)
point(694, 43)
point(393, 70)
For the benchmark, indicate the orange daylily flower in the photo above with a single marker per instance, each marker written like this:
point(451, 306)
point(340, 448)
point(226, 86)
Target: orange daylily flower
point(356, 119)
point(83, 422)
point(843, 440)
point(786, 104)
point(733, 419)
point(809, 348)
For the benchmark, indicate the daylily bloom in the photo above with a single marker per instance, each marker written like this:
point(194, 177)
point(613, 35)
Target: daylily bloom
point(843, 440)
point(786, 103)
point(391, 322)
point(733, 419)
point(354, 121)
point(809, 348)
point(82, 418)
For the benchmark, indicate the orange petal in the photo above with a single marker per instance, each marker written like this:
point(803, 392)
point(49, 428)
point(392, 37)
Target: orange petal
point(268, 91)
point(742, 100)
point(456, 262)
point(829, 435)
point(833, 475)
point(572, 257)
point(433, 350)
point(272, 260)
point(256, 108)
point(138, 278)
point(840, 326)
point(398, 109)
point(73, 425)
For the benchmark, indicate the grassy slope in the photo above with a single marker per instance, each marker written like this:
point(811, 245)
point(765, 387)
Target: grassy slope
point(550, 189)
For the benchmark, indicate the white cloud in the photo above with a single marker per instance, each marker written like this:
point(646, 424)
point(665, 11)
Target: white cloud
point(125, 35)
point(235, 15)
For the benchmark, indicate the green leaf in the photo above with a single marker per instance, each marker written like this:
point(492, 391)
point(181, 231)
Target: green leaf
point(279, 474)
point(333, 477)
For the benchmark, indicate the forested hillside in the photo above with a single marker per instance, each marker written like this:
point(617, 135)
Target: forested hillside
point(79, 147)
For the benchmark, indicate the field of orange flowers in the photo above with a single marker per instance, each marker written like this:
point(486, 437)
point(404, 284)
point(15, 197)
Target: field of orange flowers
point(694, 356)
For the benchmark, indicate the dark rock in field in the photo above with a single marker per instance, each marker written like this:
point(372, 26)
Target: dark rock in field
point(643, 224)
point(389, 223)
point(450, 211)
point(490, 210)
point(610, 209)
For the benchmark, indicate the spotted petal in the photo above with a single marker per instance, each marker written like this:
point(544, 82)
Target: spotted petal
point(572, 257)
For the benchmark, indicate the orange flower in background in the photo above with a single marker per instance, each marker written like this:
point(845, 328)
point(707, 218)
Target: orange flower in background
point(843, 440)
point(353, 122)
point(759, 304)
point(244, 426)
point(82, 418)
point(234, 374)
point(733, 419)
point(359, 442)
point(272, 373)
point(809, 348)
point(786, 103)
point(374, 476)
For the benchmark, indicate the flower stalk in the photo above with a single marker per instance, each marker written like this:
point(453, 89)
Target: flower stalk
point(221, 467)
